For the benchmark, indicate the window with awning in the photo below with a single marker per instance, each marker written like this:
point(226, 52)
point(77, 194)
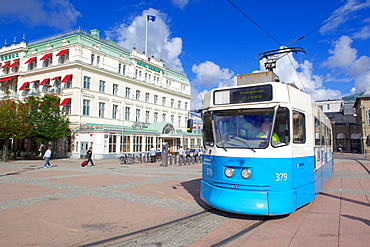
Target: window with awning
point(55, 78)
point(14, 64)
point(46, 56)
point(66, 78)
point(5, 65)
point(62, 52)
point(65, 101)
point(44, 81)
point(24, 86)
point(8, 78)
point(30, 60)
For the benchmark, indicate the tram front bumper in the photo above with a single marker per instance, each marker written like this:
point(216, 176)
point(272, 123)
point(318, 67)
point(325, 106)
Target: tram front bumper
point(247, 201)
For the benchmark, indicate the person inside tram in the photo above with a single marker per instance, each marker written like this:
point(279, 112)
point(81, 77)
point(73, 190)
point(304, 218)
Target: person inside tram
point(265, 130)
point(248, 126)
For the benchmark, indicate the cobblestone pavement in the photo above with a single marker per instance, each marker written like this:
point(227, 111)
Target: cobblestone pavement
point(67, 205)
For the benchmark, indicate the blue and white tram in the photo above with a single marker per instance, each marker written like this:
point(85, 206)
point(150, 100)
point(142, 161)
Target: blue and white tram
point(268, 149)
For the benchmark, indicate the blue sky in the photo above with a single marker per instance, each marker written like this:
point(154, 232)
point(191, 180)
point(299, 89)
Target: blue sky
point(212, 41)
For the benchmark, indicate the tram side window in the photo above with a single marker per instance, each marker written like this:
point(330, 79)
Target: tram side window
point(281, 127)
point(317, 131)
point(207, 129)
point(299, 127)
point(327, 136)
point(323, 134)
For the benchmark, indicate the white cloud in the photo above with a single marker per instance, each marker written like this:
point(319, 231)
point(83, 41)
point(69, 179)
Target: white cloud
point(197, 98)
point(57, 13)
point(363, 34)
point(341, 15)
point(160, 44)
point(345, 58)
point(302, 76)
point(210, 75)
point(180, 3)
point(343, 54)
point(360, 66)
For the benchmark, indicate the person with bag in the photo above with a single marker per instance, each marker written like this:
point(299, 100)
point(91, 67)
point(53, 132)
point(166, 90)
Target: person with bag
point(89, 157)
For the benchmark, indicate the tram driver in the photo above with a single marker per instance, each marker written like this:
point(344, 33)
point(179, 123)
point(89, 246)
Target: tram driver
point(265, 130)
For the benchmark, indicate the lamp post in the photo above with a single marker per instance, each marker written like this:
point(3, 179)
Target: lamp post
point(122, 127)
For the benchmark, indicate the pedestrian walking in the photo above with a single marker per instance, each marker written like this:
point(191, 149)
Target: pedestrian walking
point(181, 153)
point(196, 152)
point(47, 156)
point(153, 153)
point(340, 148)
point(89, 157)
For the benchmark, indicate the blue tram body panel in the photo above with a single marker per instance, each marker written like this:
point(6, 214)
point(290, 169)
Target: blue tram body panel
point(277, 186)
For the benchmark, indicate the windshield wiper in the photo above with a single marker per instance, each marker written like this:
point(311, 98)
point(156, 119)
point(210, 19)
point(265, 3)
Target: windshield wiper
point(246, 144)
point(221, 141)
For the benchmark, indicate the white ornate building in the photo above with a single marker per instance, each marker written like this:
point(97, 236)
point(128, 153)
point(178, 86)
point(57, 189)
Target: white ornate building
point(117, 100)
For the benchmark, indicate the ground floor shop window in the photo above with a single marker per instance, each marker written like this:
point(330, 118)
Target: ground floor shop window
point(148, 143)
point(138, 141)
point(126, 144)
point(158, 143)
point(356, 145)
point(112, 143)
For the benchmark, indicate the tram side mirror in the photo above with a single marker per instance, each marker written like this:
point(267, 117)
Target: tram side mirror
point(189, 127)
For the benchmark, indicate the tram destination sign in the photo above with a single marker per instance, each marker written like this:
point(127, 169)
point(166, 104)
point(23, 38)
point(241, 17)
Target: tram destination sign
point(243, 95)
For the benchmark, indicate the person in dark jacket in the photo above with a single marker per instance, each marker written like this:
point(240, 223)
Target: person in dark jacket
point(89, 157)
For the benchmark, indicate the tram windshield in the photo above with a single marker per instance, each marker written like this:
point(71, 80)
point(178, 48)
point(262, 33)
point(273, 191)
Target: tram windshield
point(252, 128)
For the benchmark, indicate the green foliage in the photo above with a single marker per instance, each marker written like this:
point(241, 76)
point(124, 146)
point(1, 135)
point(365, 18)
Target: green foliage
point(50, 123)
point(14, 120)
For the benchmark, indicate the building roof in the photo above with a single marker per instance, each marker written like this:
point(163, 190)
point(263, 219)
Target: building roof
point(339, 118)
point(352, 98)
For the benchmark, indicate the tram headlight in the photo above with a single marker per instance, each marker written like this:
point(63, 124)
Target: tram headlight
point(246, 173)
point(229, 172)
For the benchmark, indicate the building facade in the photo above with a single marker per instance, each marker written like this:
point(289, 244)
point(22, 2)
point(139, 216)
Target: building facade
point(362, 106)
point(346, 130)
point(117, 100)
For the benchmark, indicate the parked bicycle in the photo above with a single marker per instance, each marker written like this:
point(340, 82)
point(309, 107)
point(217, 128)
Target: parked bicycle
point(145, 157)
point(126, 159)
point(158, 157)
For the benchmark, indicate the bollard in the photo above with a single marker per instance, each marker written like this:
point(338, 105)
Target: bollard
point(165, 155)
point(175, 159)
point(170, 159)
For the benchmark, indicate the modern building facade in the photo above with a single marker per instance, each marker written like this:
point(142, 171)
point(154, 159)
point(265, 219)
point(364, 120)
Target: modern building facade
point(117, 100)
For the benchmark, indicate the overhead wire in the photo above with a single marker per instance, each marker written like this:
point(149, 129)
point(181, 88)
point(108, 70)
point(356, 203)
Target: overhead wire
point(241, 11)
point(300, 38)
point(326, 22)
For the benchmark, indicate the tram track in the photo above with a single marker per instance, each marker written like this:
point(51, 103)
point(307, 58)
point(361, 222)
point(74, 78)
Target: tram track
point(366, 168)
point(120, 240)
point(183, 231)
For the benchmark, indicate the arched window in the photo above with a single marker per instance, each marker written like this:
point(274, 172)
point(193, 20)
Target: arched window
point(168, 129)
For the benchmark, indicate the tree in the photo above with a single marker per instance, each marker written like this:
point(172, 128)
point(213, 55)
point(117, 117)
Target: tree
point(15, 122)
point(50, 122)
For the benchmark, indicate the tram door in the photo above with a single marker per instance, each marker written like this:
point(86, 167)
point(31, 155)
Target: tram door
point(83, 149)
